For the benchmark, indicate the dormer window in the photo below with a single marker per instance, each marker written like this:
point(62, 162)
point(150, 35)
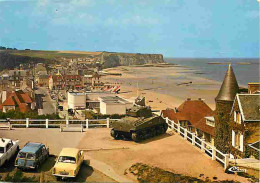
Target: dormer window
point(210, 121)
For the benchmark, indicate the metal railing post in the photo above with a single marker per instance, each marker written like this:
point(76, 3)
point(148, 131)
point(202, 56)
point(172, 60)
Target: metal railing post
point(47, 123)
point(226, 164)
point(27, 122)
point(107, 122)
point(193, 139)
point(86, 123)
point(213, 157)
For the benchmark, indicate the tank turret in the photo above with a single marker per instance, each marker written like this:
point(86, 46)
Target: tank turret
point(139, 111)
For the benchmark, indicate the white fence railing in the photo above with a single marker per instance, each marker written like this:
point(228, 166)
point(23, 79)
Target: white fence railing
point(50, 123)
point(214, 153)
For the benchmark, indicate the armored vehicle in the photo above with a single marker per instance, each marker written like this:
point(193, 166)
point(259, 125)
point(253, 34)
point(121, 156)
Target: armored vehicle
point(140, 124)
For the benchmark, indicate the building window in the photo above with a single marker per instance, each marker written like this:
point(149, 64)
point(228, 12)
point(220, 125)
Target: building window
point(238, 140)
point(237, 117)
point(210, 123)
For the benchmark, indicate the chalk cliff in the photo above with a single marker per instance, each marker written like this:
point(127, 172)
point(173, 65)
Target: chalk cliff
point(116, 59)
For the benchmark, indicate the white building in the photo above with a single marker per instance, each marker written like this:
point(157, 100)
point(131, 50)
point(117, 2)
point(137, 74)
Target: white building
point(76, 100)
point(114, 105)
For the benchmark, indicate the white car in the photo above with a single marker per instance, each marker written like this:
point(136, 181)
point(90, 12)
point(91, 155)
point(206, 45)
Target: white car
point(8, 149)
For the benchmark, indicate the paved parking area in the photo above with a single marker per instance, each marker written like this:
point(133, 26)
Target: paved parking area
point(56, 140)
point(53, 138)
point(112, 157)
point(169, 152)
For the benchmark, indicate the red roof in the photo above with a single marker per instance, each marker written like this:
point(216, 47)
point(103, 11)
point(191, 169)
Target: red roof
point(10, 101)
point(18, 99)
point(193, 111)
point(201, 124)
point(190, 110)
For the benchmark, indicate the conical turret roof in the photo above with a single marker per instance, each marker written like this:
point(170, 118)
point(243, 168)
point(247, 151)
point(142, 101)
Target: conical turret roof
point(229, 87)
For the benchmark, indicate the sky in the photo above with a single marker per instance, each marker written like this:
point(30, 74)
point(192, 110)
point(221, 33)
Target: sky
point(174, 28)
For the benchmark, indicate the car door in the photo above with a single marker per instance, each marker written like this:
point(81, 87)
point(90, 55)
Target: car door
point(9, 148)
point(44, 152)
point(78, 162)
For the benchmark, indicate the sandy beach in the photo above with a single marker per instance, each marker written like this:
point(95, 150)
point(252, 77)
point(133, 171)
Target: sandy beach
point(164, 86)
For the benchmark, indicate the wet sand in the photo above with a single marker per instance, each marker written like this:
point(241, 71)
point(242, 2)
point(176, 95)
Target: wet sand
point(163, 87)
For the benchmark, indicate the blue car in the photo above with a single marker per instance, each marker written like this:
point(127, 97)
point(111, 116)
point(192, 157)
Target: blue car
point(31, 156)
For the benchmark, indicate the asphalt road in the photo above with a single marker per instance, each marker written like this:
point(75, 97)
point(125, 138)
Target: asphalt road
point(44, 102)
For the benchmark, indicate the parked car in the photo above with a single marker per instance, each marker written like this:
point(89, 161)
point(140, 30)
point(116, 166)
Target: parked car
point(60, 108)
point(68, 163)
point(8, 149)
point(70, 111)
point(31, 156)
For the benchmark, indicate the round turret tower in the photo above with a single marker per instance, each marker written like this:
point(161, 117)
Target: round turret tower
point(224, 102)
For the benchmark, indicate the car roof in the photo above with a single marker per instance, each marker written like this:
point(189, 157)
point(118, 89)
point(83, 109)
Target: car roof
point(4, 142)
point(69, 152)
point(31, 147)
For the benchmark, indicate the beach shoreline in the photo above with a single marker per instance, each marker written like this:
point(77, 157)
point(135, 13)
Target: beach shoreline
point(163, 87)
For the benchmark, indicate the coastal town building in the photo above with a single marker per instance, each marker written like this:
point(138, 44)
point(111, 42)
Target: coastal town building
point(76, 100)
point(93, 81)
point(16, 76)
point(17, 100)
point(67, 82)
point(245, 125)
point(43, 80)
point(40, 69)
point(114, 105)
point(195, 116)
point(253, 88)
point(237, 118)
point(224, 103)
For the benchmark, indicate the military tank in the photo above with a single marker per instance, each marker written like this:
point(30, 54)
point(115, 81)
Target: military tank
point(139, 124)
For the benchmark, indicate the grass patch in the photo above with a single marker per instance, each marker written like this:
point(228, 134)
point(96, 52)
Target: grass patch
point(48, 54)
point(146, 173)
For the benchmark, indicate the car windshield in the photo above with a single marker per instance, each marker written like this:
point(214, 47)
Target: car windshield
point(67, 159)
point(21, 155)
point(30, 156)
point(2, 149)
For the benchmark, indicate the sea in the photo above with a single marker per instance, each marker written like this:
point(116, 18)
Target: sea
point(246, 69)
